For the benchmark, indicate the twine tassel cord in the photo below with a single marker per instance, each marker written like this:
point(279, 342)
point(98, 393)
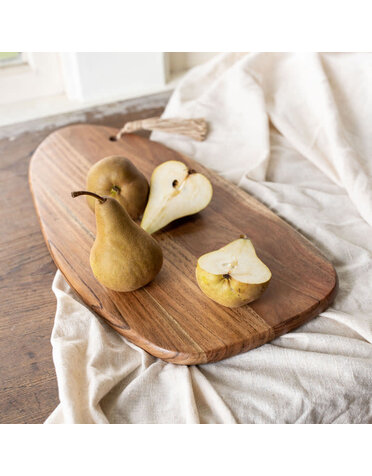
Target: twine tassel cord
point(196, 129)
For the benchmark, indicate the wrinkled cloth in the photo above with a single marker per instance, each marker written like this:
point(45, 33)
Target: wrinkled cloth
point(293, 130)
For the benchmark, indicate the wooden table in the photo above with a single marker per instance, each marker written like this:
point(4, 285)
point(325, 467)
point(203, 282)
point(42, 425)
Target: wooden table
point(28, 386)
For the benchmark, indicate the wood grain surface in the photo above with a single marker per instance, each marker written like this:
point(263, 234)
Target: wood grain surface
point(28, 386)
point(171, 318)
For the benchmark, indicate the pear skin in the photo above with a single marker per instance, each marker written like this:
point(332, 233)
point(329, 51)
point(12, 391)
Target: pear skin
point(226, 290)
point(117, 177)
point(123, 257)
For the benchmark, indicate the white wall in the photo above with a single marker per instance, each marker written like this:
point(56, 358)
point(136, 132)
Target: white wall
point(104, 76)
point(53, 83)
point(40, 75)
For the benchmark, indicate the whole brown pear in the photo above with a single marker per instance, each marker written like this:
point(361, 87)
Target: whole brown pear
point(117, 177)
point(123, 257)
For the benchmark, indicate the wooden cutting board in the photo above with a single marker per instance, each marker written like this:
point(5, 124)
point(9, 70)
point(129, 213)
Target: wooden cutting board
point(171, 318)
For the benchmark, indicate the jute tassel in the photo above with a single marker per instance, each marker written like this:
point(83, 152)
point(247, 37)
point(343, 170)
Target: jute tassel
point(195, 128)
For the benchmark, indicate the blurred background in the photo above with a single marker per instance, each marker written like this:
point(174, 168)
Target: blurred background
point(34, 85)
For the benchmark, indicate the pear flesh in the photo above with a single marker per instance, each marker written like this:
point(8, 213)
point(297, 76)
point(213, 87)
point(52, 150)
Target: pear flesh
point(117, 177)
point(175, 192)
point(123, 257)
point(233, 275)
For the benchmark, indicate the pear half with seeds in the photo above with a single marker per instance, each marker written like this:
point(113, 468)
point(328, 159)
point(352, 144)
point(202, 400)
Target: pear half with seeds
point(175, 192)
point(233, 275)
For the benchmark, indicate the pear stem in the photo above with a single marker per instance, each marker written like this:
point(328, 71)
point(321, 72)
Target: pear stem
point(84, 192)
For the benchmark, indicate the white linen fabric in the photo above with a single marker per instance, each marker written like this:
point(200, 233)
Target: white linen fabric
point(294, 131)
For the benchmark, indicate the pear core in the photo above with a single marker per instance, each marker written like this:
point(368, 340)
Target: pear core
point(233, 275)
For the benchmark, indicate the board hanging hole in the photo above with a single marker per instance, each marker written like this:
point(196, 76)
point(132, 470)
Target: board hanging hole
point(113, 138)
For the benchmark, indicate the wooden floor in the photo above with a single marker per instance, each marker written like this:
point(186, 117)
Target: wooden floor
point(28, 387)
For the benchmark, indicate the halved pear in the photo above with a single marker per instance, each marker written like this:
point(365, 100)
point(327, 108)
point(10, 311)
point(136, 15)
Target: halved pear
point(175, 192)
point(233, 275)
